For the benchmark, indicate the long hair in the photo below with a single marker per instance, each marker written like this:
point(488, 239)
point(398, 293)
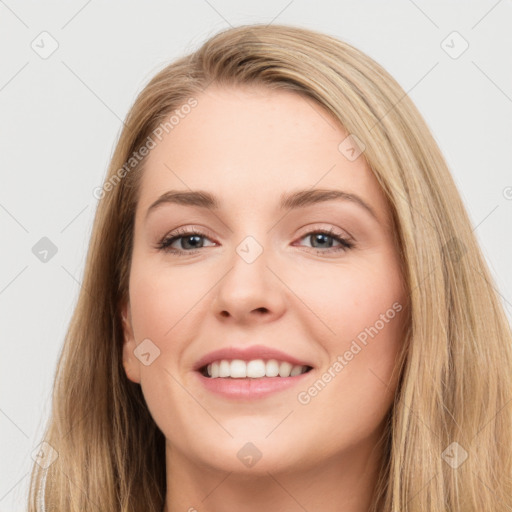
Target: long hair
point(450, 426)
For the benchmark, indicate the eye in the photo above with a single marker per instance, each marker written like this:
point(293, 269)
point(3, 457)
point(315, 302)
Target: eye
point(322, 238)
point(190, 241)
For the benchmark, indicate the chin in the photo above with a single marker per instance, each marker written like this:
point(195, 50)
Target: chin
point(248, 454)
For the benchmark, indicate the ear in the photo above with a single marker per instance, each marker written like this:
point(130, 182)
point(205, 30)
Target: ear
point(130, 363)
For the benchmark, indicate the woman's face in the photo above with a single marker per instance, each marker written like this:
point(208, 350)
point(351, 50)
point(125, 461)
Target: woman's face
point(316, 279)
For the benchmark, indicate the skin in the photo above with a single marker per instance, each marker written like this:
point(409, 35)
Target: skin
point(247, 146)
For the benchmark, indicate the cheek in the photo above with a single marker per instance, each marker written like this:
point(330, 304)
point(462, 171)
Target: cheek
point(162, 301)
point(352, 299)
point(355, 387)
point(359, 314)
point(371, 314)
point(162, 307)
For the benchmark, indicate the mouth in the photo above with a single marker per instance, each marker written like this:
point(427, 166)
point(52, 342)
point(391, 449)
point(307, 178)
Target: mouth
point(245, 374)
point(252, 369)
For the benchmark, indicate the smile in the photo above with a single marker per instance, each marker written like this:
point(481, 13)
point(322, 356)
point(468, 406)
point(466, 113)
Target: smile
point(253, 369)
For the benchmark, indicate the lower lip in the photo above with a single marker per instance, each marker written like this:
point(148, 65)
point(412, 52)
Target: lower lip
point(250, 388)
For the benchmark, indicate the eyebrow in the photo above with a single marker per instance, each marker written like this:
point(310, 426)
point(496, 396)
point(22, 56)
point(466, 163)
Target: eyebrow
point(289, 201)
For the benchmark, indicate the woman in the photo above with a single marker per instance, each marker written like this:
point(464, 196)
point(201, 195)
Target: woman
point(221, 358)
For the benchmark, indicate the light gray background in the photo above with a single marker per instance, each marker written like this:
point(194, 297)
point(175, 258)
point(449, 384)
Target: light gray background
point(61, 116)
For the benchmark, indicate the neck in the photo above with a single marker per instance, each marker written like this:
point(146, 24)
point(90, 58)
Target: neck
point(345, 482)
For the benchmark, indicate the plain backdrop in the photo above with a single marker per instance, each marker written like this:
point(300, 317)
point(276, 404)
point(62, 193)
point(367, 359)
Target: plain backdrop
point(61, 115)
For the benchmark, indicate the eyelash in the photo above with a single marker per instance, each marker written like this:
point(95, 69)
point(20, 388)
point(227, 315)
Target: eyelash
point(164, 244)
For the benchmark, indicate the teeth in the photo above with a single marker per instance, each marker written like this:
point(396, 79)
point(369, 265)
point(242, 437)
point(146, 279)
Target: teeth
point(254, 369)
point(224, 369)
point(272, 368)
point(285, 369)
point(237, 369)
point(296, 370)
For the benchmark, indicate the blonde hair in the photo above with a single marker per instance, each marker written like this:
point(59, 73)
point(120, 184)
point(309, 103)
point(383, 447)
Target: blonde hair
point(456, 365)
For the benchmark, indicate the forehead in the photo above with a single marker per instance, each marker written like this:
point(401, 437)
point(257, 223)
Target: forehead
point(249, 145)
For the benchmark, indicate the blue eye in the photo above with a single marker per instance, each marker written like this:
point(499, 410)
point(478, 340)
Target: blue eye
point(321, 237)
point(189, 237)
point(191, 241)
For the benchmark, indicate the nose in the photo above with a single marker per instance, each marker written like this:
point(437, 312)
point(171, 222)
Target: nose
point(251, 291)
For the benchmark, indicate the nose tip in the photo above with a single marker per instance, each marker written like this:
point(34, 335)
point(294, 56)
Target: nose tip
point(249, 292)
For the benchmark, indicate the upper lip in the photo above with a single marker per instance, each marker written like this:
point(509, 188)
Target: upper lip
point(248, 354)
